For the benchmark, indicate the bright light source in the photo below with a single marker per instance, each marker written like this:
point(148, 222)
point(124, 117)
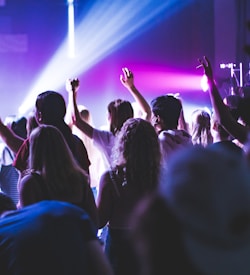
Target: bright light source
point(105, 27)
point(228, 65)
point(204, 83)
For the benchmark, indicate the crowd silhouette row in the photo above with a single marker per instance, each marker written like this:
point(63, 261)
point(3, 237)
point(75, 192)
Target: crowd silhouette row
point(150, 194)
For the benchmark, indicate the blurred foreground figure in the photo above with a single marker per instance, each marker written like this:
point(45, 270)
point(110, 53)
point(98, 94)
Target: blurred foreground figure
point(50, 237)
point(199, 223)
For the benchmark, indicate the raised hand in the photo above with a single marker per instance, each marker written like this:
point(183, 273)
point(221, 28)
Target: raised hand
point(127, 79)
point(205, 63)
point(72, 85)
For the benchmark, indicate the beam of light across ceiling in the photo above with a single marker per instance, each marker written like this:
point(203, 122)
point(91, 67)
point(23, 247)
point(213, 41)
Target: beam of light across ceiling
point(71, 30)
point(104, 28)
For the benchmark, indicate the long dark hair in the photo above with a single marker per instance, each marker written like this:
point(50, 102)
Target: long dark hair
point(119, 111)
point(51, 156)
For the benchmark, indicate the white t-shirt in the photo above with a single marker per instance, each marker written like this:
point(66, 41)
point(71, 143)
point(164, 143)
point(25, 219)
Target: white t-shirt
point(172, 141)
point(104, 140)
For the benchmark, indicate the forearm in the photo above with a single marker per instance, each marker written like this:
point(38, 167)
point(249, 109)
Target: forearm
point(78, 121)
point(224, 116)
point(69, 112)
point(141, 101)
point(221, 111)
point(13, 141)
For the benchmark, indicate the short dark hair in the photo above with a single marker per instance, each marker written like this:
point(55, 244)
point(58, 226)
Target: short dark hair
point(168, 108)
point(52, 106)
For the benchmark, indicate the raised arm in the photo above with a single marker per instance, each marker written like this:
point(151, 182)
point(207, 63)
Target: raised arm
point(73, 115)
point(12, 140)
point(225, 118)
point(127, 80)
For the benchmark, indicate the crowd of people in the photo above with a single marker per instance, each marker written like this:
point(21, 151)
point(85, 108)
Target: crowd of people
point(169, 195)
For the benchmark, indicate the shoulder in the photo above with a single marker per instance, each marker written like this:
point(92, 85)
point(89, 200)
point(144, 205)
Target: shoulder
point(76, 138)
point(112, 182)
point(179, 136)
point(77, 141)
point(30, 180)
point(106, 181)
point(31, 190)
point(31, 183)
point(102, 135)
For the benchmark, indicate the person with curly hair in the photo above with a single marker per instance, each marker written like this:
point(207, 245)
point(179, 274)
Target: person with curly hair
point(134, 174)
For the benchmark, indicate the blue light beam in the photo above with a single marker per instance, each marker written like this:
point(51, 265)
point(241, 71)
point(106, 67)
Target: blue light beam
point(71, 30)
point(105, 28)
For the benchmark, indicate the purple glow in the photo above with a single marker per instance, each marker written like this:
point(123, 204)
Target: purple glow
point(169, 81)
point(153, 80)
point(162, 44)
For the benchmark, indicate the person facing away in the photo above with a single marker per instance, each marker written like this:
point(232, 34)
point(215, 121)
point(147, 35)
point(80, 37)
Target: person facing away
point(50, 110)
point(54, 174)
point(119, 111)
point(204, 226)
point(136, 163)
point(50, 237)
point(200, 128)
point(156, 239)
point(166, 111)
point(208, 191)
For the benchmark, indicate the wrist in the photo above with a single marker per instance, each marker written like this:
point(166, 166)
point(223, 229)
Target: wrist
point(132, 87)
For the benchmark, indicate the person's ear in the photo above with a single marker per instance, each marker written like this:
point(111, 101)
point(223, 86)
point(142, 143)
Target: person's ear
point(214, 126)
point(39, 117)
point(157, 119)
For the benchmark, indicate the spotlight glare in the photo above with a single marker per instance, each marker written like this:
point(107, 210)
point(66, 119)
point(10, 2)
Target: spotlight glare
point(204, 83)
point(71, 31)
point(99, 34)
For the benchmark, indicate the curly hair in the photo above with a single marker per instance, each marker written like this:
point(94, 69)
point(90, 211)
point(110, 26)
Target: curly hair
point(137, 151)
